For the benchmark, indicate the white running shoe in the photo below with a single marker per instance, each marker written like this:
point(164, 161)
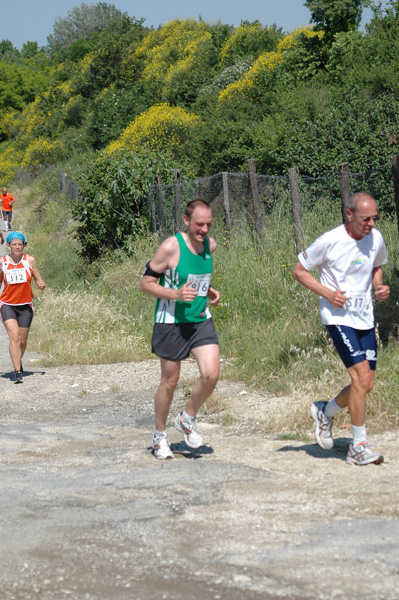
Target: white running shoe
point(189, 430)
point(160, 447)
point(361, 454)
point(323, 431)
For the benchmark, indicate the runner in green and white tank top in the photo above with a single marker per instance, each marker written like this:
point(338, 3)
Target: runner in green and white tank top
point(196, 269)
point(179, 276)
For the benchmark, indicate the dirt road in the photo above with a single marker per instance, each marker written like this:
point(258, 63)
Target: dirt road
point(87, 513)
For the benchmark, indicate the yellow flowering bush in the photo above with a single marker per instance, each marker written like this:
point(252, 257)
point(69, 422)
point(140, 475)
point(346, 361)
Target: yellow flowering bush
point(42, 152)
point(265, 67)
point(11, 124)
point(172, 54)
point(10, 160)
point(249, 39)
point(162, 127)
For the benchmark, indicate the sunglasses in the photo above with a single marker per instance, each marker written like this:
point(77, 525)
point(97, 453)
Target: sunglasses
point(367, 219)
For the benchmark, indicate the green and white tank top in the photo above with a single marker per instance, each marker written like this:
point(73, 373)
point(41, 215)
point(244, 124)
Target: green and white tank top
point(196, 268)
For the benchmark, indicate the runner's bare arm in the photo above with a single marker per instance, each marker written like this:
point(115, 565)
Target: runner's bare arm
point(212, 244)
point(36, 274)
point(336, 297)
point(381, 291)
point(166, 257)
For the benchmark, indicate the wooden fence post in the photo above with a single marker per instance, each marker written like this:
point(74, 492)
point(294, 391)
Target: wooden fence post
point(296, 210)
point(161, 204)
point(395, 168)
point(344, 187)
point(226, 203)
point(177, 184)
point(256, 203)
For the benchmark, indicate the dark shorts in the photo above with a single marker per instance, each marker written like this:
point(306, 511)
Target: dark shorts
point(174, 341)
point(354, 345)
point(23, 313)
point(6, 213)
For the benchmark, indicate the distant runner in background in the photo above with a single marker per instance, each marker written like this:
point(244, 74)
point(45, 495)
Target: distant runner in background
point(7, 200)
point(349, 260)
point(16, 308)
point(183, 323)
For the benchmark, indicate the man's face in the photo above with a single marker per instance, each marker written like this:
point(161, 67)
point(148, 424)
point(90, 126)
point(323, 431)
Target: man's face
point(199, 224)
point(4, 191)
point(362, 220)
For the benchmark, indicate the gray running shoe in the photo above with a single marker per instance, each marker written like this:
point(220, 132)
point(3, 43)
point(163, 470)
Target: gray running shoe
point(160, 447)
point(323, 431)
point(363, 455)
point(18, 377)
point(189, 430)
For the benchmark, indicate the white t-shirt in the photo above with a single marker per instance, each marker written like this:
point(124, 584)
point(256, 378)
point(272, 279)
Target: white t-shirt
point(346, 264)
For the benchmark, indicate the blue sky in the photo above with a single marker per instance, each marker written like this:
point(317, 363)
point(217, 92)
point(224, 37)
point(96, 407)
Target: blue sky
point(33, 20)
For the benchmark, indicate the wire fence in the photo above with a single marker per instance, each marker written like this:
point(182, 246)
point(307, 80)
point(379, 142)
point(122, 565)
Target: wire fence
point(251, 197)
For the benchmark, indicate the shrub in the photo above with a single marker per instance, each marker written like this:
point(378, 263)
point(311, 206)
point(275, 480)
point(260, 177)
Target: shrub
point(162, 127)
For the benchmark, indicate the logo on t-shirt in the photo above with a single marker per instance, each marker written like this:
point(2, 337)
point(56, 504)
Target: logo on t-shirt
point(360, 261)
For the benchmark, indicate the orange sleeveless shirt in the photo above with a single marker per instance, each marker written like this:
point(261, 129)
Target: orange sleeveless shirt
point(17, 281)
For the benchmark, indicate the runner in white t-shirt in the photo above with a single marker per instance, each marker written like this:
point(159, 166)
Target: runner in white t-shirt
point(349, 260)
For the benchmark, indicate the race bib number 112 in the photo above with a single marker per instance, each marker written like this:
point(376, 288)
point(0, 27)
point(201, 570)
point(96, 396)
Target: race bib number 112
point(16, 276)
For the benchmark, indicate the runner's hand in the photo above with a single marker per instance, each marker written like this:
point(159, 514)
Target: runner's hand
point(214, 296)
point(186, 293)
point(382, 292)
point(337, 298)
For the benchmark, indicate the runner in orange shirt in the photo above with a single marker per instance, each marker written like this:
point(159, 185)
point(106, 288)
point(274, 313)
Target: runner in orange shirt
point(7, 200)
point(16, 308)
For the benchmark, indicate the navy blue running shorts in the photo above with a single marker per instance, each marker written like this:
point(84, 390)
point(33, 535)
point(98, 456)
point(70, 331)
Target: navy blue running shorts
point(174, 341)
point(354, 345)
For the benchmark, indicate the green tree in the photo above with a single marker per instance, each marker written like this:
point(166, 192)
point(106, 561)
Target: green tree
point(335, 16)
point(29, 50)
point(114, 186)
point(82, 22)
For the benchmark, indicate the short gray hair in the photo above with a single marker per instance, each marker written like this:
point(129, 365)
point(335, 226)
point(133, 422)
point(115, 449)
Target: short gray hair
point(354, 200)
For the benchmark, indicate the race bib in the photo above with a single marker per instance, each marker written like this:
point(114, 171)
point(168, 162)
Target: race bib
point(16, 276)
point(356, 302)
point(200, 283)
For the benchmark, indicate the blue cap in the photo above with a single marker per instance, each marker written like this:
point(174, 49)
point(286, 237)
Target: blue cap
point(15, 235)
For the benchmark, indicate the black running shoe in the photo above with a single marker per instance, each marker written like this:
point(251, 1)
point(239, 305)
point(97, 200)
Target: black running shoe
point(18, 377)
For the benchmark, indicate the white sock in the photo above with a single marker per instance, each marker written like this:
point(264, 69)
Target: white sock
point(6, 225)
point(185, 416)
point(331, 409)
point(359, 434)
point(159, 433)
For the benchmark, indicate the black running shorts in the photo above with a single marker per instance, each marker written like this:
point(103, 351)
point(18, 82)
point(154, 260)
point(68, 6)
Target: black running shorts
point(174, 341)
point(23, 313)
